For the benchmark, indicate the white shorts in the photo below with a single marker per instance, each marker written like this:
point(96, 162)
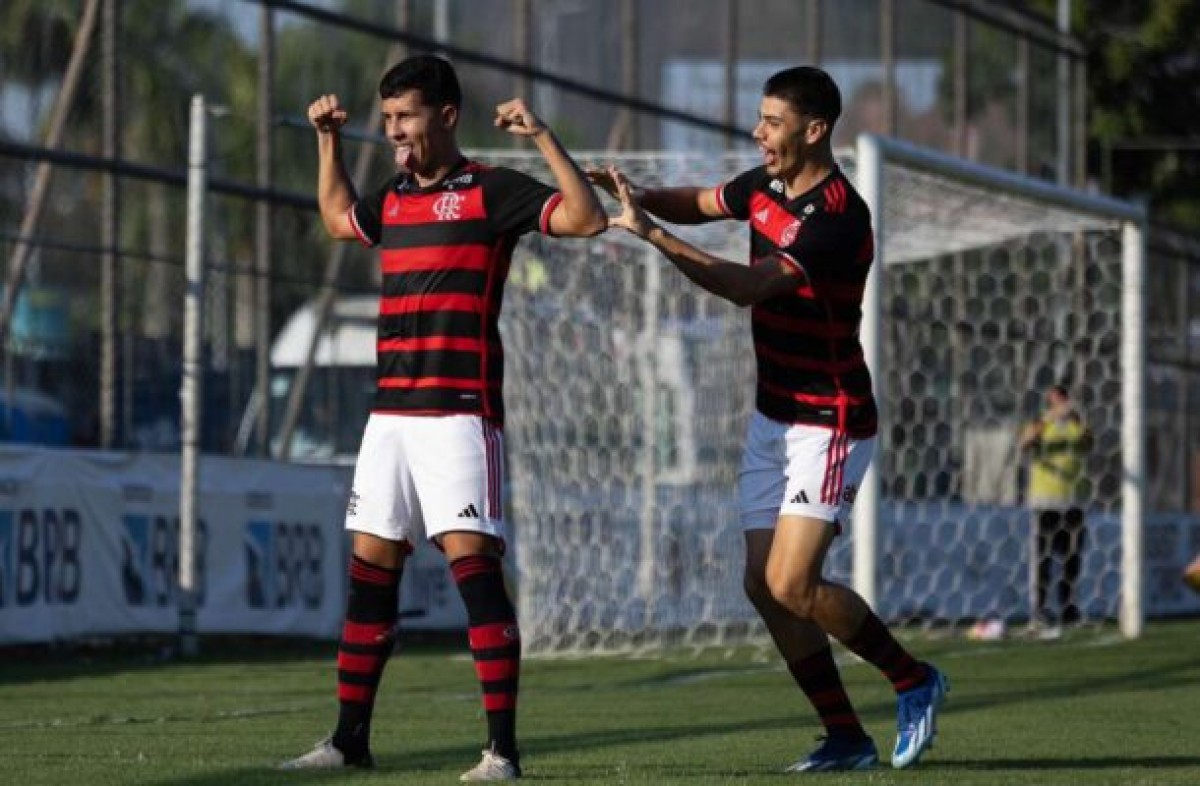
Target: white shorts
point(791, 469)
point(423, 476)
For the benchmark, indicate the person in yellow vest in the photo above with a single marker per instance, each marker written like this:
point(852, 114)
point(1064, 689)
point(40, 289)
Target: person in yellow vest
point(1057, 444)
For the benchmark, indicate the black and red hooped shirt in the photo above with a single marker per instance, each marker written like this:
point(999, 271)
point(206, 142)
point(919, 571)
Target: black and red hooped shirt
point(810, 362)
point(445, 251)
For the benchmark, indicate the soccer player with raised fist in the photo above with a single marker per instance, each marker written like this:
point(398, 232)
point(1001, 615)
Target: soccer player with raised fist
point(431, 461)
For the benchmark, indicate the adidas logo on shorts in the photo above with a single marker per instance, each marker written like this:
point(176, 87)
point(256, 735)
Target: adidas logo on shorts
point(469, 512)
point(800, 499)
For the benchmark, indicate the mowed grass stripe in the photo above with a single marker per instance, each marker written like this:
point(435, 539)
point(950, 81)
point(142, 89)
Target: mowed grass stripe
point(1088, 709)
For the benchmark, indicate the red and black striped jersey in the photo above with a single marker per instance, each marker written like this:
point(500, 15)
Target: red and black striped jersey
point(810, 361)
point(445, 251)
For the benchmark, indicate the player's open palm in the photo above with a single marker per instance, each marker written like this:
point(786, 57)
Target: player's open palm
point(517, 118)
point(632, 218)
point(602, 178)
point(326, 114)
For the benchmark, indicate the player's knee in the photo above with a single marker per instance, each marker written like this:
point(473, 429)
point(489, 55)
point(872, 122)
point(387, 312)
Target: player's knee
point(754, 583)
point(797, 594)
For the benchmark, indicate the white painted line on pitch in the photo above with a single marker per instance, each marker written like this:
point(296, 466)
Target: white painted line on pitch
point(712, 674)
point(122, 720)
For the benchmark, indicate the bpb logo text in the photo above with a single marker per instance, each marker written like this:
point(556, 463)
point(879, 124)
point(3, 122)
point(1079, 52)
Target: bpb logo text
point(39, 557)
point(150, 560)
point(284, 565)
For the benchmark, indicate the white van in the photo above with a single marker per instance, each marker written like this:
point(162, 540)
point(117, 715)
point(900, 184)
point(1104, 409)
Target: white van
point(341, 386)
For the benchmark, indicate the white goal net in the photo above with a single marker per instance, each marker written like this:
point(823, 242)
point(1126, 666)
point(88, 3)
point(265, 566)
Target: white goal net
point(628, 390)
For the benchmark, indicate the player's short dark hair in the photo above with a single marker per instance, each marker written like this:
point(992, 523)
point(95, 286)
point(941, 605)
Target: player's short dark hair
point(1061, 390)
point(809, 90)
point(430, 74)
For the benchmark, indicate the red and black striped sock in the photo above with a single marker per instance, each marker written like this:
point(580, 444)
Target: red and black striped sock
point(876, 645)
point(495, 644)
point(817, 675)
point(367, 641)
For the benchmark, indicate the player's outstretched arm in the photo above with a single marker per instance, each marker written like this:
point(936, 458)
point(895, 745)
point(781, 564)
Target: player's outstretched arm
point(335, 192)
point(580, 213)
point(678, 205)
point(741, 284)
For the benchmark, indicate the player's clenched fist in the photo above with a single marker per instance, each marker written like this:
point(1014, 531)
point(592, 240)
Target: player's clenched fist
point(516, 118)
point(326, 114)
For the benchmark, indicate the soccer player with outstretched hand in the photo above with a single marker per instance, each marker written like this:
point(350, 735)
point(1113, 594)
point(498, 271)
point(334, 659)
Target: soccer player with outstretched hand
point(431, 460)
point(813, 434)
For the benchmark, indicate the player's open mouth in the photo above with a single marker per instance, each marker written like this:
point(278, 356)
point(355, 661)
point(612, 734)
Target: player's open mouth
point(404, 156)
point(769, 156)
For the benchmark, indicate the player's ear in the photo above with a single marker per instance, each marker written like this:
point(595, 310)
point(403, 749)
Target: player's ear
point(449, 116)
point(816, 130)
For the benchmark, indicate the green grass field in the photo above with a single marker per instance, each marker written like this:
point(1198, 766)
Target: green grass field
point(1089, 709)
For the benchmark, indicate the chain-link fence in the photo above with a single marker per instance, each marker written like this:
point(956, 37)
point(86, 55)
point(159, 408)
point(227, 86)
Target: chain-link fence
point(92, 354)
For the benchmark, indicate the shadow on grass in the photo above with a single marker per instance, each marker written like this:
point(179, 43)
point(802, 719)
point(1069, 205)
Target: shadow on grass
point(456, 758)
point(452, 759)
point(33, 663)
point(1082, 763)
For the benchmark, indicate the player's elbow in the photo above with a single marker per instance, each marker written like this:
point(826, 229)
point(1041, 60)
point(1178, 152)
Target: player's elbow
point(591, 228)
point(338, 226)
point(748, 294)
point(576, 221)
point(741, 300)
point(593, 222)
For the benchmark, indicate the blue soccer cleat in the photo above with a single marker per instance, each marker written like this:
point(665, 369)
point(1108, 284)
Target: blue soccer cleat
point(838, 754)
point(916, 718)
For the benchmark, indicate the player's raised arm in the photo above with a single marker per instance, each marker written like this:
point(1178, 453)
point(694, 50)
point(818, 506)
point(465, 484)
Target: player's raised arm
point(335, 192)
point(741, 284)
point(679, 205)
point(579, 214)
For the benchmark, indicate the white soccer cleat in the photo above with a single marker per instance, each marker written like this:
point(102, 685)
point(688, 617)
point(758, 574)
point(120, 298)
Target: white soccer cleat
point(492, 767)
point(916, 722)
point(325, 756)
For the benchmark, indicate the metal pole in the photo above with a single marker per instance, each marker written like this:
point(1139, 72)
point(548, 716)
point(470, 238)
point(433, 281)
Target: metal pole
point(522, 53)
point(730, 56)
point(961, 95)
point(813, 33)
point(649, 551)
point(190, 390)
point(1023, 93)
point(622, 135)
point(1133, 431)
point(887, 54)
point(441, 22)
point(1079, 111)
point(263, 240)
point(867, 507)
point(1183, 377)
point(109, 263)
point(1063, 125)
point(629, 67)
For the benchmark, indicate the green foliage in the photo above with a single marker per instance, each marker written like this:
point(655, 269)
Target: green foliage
point(36, 38)
point(1143, 63)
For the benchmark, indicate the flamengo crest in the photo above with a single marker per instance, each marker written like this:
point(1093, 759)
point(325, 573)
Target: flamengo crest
point(448, 206)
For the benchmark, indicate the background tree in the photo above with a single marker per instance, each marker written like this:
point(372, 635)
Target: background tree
point(1143, 64)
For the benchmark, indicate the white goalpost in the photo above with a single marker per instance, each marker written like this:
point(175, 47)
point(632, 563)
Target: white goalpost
point(628, 391)
point(875, 157)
